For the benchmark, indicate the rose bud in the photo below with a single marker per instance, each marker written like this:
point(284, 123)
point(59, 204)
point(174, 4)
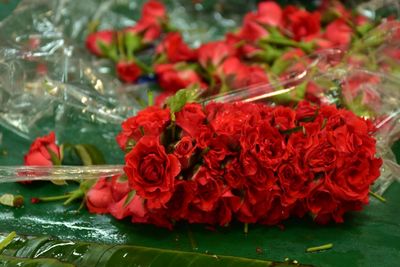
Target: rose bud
point(98, 42)
point(99, 197)
point(128, 72)
point(40, 151)
point(175, 77)
point(184, 150)
point(175, 49)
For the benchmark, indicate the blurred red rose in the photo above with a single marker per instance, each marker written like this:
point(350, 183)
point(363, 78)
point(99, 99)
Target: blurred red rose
point(98, 41)
point(172, 77)
point(175, 49)
point(301, 24)
point(128, 71)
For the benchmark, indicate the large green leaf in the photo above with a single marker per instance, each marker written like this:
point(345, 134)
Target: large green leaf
point(99, 255)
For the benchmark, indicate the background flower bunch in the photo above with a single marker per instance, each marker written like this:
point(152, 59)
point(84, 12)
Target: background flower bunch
point(270, 46)
point(250, 162)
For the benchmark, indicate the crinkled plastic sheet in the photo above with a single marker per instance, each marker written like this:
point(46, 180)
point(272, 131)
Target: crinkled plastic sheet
point(48, 80)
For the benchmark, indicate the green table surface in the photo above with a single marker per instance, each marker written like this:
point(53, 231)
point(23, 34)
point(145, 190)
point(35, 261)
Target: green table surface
point(367, 238)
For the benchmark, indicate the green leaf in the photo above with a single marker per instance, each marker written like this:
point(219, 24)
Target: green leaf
point(12, 200)
point(70, 156)
point(84, 155)
point(101, 255)
point(133, 43)
point(183, 96)
point(95, 154)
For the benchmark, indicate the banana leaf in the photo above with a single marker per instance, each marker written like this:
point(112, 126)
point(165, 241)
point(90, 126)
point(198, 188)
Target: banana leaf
point(6, 261)
point(41, 250)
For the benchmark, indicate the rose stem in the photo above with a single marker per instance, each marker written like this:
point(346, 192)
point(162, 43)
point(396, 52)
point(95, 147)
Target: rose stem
point(319, 248)
point(378, 197)
point(48, 199)
point(193, 242)
point(246, 228)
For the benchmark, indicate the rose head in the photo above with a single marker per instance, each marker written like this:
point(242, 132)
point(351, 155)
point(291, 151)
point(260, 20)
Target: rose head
point(128, 72)
point(339, 33)
point(39, 152)
point(98, 41)
point(173, 77)
point(99, 197)
point(175, 49)
point(151, 121)
point(302, 24)
point(190, 118)
point(269, 13)
point(214, 53)
point(183, 150)
point(151, 171)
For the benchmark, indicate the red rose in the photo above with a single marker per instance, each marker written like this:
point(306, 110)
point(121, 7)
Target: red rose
point(354, 176)
point(320, 155)
point(190, 118)
point(183, 150)
point(276, 212)
point(235, 173)
point(284, 118)
point(154, 11)
point(38, 154)
point(99, 197)
point(339, 33)
point(256, 204)
point(128, 71)
point(293, 181)
point(321, 204)
point(175, 49)
point(251, 30)
point(233, 73)
point(266, 143)
point(154, 15)
point(119, 187)
point(269, 13)
point(212, 54)
point(179, 203)
point(151, 121)
point(236, 74)
point(175, 77)
point(258, 76)
point(97, 41)
point(135, 208)
point(306, 111)
point(302, 24)
point(151, 171)
point(208, 190)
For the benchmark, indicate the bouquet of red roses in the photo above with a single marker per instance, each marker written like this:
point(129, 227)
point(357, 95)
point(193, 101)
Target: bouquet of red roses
point(248, 162)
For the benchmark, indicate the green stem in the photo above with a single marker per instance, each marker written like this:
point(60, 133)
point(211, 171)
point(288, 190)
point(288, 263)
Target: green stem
point(143, 66)
point(55, 198)
point(7, 240)
point(120, 44)
point(378, 197)
point(246, 228)
point(319, 248)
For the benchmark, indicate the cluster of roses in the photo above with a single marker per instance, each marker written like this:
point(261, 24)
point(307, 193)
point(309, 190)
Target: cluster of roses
point(244, 161)
point(266, 46)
